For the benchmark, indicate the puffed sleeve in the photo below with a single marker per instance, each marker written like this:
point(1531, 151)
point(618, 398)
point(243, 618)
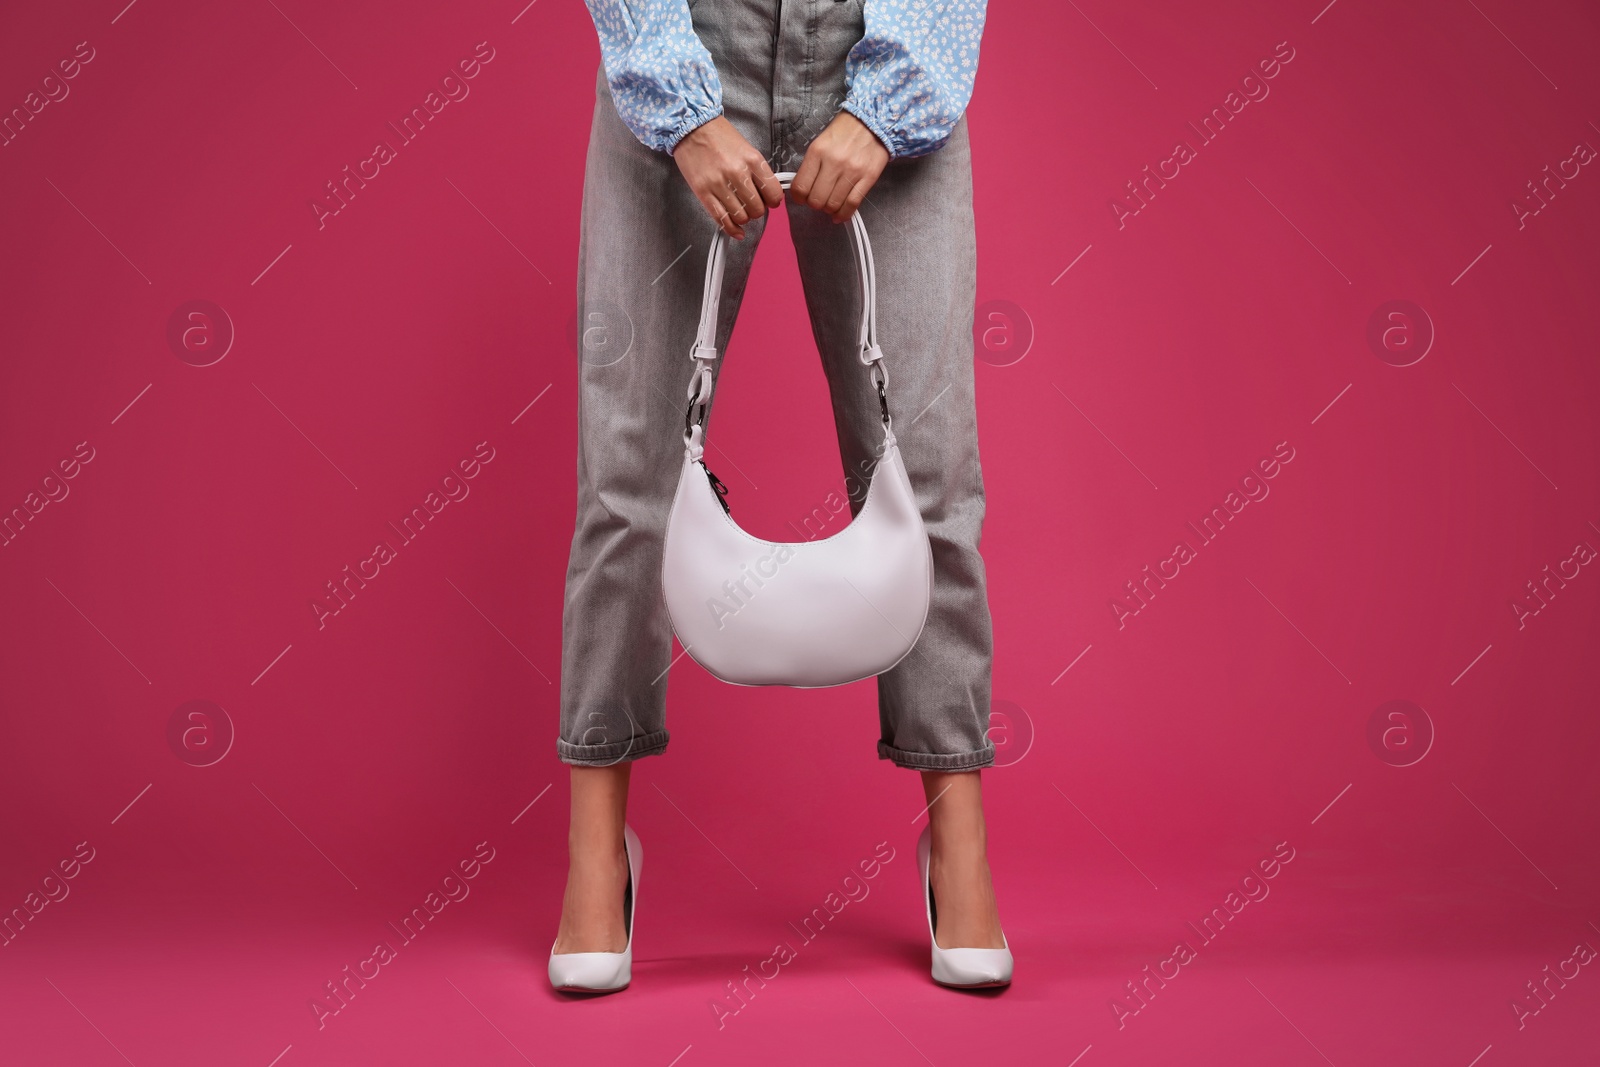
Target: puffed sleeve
point(661, 77)
point(910, 76)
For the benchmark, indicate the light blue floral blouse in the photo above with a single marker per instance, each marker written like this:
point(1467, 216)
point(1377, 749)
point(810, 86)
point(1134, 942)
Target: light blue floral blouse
point(908, 79)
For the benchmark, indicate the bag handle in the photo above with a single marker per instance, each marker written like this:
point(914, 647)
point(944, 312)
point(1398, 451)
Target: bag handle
point(704, 353)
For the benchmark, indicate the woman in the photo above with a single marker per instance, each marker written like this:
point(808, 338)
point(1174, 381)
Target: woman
point(698, 103)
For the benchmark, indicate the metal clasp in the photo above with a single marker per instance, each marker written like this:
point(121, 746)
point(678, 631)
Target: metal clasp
point(880, 378)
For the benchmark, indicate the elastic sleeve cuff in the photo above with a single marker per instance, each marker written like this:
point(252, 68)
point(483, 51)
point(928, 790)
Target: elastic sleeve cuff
point(686, 127)
point(890, 140)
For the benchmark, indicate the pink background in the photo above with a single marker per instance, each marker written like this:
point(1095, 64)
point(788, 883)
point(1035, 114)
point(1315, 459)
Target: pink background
point(1167, 357)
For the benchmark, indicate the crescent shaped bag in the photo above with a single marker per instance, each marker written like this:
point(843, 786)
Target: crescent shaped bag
point(806, 614)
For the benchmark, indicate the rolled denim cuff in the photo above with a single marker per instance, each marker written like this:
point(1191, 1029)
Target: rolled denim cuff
point(614, 752)
point(938, 761)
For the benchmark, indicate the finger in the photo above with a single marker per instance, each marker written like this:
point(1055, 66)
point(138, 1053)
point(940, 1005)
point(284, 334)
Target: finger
point(732, 203)
point(822, 188)
point(841, 190)
point(719, 215)
point(766, 183)
point(800, 186)
point(750, 200)
point(858, 194)
point(725, 208)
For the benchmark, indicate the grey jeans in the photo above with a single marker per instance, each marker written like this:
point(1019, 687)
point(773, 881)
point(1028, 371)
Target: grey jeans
point(781, 63)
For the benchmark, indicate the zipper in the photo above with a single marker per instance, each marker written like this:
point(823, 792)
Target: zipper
point(718, 488)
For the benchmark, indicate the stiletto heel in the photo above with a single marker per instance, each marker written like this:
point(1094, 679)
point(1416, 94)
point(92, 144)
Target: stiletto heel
point(960, 968)
point(604, 972)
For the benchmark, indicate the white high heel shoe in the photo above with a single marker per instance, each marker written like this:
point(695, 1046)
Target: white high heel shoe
point(604, 972)
point(961, 968)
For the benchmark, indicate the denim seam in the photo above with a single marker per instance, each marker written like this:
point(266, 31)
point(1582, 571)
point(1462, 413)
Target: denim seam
point(652, 744)
point(937, 761)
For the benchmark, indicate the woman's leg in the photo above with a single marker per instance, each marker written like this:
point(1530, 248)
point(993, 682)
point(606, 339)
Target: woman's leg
point(959, 866)
point(644, 238)
point(597, 871)
point(933, 706)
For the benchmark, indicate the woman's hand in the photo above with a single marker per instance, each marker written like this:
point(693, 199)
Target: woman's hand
point(840, 167)
point(728, 175)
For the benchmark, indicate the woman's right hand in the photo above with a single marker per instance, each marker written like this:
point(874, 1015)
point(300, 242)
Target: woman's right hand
point(727, 174)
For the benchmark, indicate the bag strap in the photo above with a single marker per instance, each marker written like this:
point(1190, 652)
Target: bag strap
point(704, 353)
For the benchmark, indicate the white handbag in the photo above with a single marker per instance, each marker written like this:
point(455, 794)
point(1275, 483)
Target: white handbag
point(809, 613)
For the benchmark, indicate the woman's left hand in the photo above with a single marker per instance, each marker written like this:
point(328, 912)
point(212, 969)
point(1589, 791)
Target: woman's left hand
point(840, 167)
